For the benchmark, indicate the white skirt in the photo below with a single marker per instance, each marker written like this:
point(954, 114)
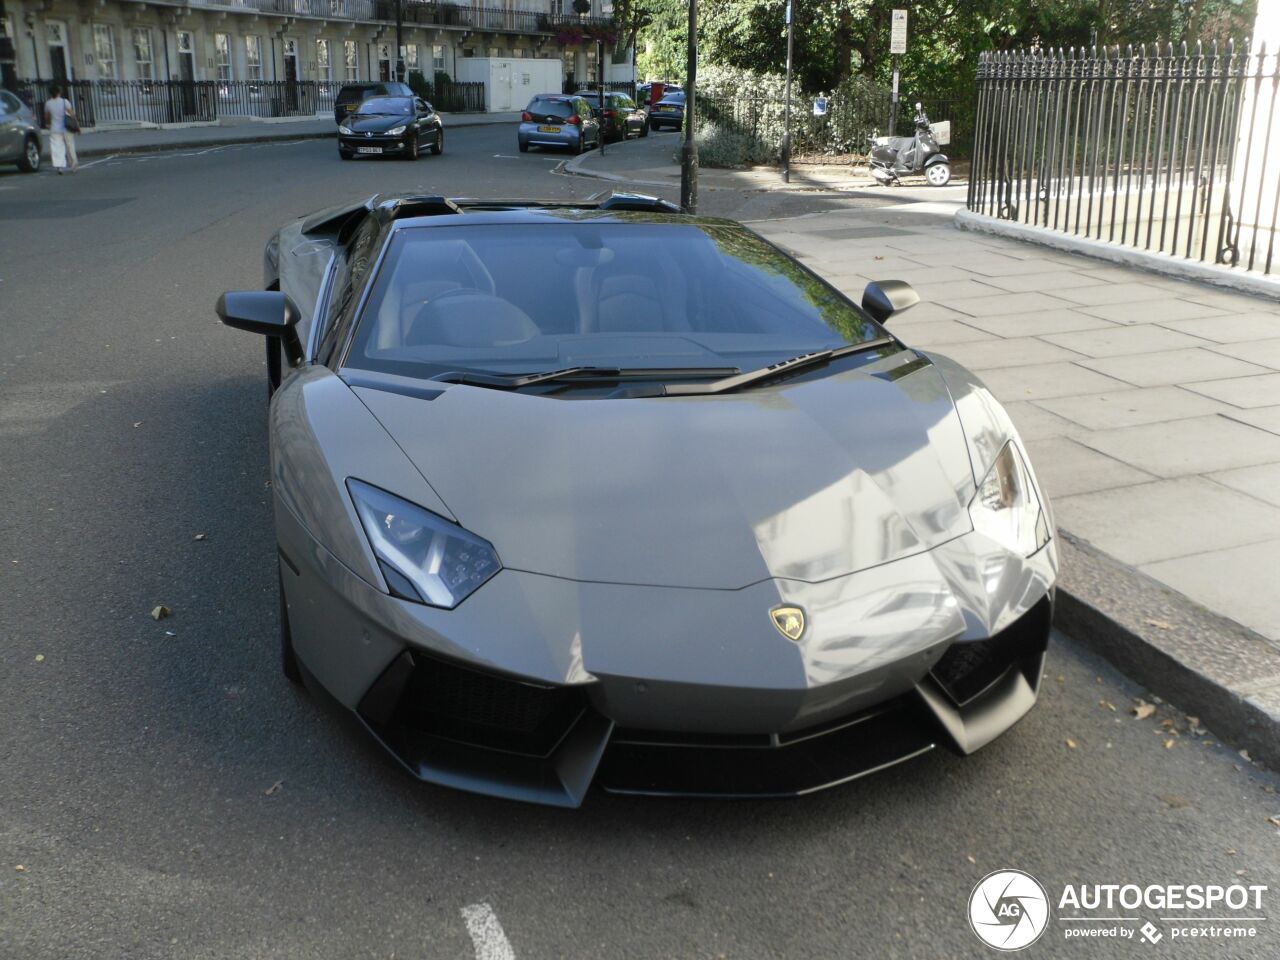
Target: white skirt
point(60, 145)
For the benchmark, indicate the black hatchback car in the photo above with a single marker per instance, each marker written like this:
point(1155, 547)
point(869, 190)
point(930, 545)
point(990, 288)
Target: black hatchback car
point(669, 111)
point(351, 95)
point(397, 126)
point(620, 118)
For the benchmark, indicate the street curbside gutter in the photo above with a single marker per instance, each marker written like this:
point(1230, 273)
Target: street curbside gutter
point(1206, 665)
point(85, 147)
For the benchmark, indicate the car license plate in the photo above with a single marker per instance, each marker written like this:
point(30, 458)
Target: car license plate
point(548, 129)
point(350, 108)
point(368, 149)
point(666, 109)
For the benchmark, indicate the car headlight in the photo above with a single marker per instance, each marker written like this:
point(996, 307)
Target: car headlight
point(344, 130)
point(1006, 508)
point(396, 131)
point(423, 557)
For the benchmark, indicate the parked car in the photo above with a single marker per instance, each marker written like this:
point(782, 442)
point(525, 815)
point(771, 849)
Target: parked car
point(621, 117)
point(668, 112)
point(590, 491)
point(558, 120)
point(351, 94)
point(398, 126)
point(644, 92)
point(19, 133)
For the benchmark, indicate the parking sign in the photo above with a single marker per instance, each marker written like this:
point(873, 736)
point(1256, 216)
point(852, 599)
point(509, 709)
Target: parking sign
point(898, 34)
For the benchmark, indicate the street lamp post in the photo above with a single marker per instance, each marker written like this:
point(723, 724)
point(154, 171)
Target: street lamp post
point(786, 127)
point(689, 149)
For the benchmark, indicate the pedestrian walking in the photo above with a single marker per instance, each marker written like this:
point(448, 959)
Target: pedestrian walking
point(60, 118)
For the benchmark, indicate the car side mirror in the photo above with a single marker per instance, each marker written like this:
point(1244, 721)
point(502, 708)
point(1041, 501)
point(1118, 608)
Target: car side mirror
point(883, 298)
point(268, 312)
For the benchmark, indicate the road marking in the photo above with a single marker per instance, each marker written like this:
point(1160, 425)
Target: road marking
point(486, 933)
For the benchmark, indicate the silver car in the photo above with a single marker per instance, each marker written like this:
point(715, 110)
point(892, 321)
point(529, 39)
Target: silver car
point(19, 133)
point(600, 493)
point(553, 120)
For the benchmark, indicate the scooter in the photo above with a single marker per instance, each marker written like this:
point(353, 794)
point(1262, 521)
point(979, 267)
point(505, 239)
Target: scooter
point(895, 157)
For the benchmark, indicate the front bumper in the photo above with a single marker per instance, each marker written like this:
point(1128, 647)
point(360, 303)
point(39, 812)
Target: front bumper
point(536, 687)
point(569, 135)
point(393, 146)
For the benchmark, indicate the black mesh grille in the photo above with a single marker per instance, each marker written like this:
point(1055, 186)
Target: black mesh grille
point(446, 700)
point(970, 667)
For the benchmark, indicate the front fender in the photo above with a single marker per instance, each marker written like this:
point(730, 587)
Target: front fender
point(936, 158)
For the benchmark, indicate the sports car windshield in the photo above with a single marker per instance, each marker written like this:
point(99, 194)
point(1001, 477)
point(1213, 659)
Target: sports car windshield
point(521, 298)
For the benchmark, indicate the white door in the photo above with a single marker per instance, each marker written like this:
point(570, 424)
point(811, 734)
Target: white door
point(59, 55)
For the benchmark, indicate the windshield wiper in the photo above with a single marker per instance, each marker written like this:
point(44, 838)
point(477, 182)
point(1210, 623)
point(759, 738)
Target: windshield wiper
point(514, 381)
point(783, 368)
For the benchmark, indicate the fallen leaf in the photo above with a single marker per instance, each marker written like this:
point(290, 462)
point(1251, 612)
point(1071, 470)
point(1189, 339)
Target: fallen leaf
point(1168, 744)
point(1274, 821)
point(971, 859)
point(1168, 724)
point(1162, 624)
point(1107, 705)
point(1175, 802)
point(170, 633)
point(1143, 710)
point(274, 788)
point(160, 612)
point(1231, 850)
point(39, 658)
point(138, 424)
point(1071, 744)
point(1239, 873)
point(201, 536)
point(20, 868)
point(1245, 755)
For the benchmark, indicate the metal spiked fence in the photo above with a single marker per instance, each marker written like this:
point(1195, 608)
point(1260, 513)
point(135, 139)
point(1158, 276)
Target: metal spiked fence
point(1174, 151)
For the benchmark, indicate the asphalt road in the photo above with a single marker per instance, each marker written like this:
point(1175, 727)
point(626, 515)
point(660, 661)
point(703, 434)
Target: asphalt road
point(168, 794)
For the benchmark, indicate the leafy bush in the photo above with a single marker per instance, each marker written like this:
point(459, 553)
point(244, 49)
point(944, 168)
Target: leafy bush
point(722, 145)
point(745, 114)
point(419, 85)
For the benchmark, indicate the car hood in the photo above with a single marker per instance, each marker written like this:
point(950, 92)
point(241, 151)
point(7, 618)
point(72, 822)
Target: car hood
point(805, 480)
point(376, 123)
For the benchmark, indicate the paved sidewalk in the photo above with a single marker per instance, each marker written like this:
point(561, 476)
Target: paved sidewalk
point(101, 142)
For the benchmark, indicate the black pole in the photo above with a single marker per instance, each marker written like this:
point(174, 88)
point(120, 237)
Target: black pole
point(399, 45)
point(689, 149)
point(786, 128)
point(604, 120)
point(893, 102)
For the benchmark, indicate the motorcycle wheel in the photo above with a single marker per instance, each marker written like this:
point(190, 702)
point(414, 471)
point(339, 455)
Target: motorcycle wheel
point(938, 175)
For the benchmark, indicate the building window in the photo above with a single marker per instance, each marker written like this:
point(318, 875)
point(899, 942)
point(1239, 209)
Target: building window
point(253, 58)
point(104, 49)
point(324, 64)
point(351, 59)
point(143, 57)
point(519, 53)
point(494, 52)
point(222, 57)
point(411, 56)
point(437, 56)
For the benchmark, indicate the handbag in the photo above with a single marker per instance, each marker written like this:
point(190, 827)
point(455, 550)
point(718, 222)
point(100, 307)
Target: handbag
point(71, 123)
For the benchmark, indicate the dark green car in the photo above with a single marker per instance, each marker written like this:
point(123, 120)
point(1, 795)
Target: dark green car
point(391, 126)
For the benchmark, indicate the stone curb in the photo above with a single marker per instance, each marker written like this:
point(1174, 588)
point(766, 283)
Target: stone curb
point(1236, 280)
point(1208, 666)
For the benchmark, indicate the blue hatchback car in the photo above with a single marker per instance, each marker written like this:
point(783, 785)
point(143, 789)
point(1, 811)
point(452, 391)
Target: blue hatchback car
point(555, 120)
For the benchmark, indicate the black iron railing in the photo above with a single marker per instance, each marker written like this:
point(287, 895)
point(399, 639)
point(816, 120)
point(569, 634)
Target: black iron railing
point(1176, 152)
point(177, 101)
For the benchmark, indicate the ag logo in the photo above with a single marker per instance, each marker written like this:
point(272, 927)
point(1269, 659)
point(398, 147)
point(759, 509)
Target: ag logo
point(789, 621)
point(1008, 910)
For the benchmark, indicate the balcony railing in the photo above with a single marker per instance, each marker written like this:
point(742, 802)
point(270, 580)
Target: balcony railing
point(421, 12)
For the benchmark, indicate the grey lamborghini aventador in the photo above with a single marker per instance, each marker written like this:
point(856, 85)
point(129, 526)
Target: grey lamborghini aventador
point(601, 493)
